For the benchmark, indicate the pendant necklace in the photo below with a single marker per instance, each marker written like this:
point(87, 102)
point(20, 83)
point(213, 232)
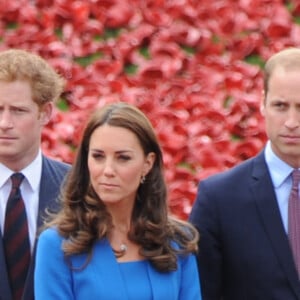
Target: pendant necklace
point(121, 252)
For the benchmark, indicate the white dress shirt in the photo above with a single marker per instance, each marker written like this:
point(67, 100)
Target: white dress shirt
point(29, 190)
point(280, 174)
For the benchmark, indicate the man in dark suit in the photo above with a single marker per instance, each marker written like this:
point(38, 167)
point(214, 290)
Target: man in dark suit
point(242, 214)
point(29, 86)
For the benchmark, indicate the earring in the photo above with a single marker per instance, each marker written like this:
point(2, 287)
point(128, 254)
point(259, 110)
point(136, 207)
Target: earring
point(143, 178)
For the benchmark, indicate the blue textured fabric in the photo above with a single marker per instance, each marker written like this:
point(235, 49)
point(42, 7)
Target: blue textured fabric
point(101, 278)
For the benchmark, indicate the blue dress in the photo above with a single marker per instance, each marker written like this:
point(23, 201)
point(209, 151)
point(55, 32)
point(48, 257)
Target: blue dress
point(132, 272)
point(105, 278)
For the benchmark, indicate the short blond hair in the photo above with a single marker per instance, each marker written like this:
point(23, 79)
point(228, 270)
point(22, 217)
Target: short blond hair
point(46, 84)
point(287, 59)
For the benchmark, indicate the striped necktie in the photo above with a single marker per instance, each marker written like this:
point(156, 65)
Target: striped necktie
point(16, 238)
point(294, 219)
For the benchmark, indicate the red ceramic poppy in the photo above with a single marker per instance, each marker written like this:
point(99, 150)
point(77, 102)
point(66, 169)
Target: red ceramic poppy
point(193, 69)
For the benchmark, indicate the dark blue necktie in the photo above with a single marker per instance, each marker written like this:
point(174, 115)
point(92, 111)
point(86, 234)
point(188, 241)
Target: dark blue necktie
point(16, 238)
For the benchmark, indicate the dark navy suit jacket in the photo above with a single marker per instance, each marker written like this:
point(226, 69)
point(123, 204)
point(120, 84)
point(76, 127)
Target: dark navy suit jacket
point(53, 173)
point(244, 251)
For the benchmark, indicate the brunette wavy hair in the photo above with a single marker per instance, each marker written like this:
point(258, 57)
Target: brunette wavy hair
point(84, 219)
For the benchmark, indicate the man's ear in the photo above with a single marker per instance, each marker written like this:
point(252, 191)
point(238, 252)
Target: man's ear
point(46, 113)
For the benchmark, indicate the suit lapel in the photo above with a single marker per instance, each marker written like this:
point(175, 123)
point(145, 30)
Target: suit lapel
point(48, 191)
point(4, 286)
point(267, 206)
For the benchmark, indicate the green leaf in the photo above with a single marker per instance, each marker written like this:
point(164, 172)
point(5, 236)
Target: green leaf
point(87, 60)
point(62, 104)
point(255, 60)
point(111, 33)
point(58, 33)
point(297, 20)
point(290, 6)
point(227, 102)
point(12, 25)
point(144, 51)
point(188, 50)
point(235, 138)
point(130, 69)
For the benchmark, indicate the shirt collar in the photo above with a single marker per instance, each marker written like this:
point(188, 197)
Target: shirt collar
point(279, 170)
point(32, 172)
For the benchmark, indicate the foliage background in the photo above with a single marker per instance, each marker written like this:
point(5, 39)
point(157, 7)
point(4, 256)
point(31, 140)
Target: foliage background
point(194, 67)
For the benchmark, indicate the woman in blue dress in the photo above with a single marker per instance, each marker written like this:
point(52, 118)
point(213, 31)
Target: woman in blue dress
point(114, 238)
